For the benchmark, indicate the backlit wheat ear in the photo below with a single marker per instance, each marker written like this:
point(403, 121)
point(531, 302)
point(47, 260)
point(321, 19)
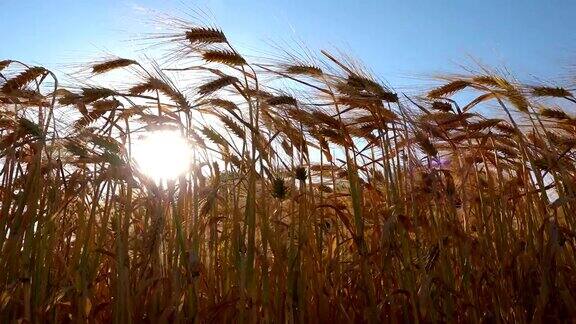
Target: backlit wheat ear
point(491, 81)
point(279, 189)
point(155, 84)
point(202, 35)
point(507, 89)
point(434, 130)
point(196, 138)
point(282, 100)
point(302, 116)
point(143, 87)
point(304, 70)
point(22, 79)
point(364, 84)
point(4, 64)
point(328, 120)
point(442, 106)
point(425, 144)
point(551, 92)
point(234, 127)
point(554, 113)
point(448, 89)
point(88, 118)
point(217, 84)
point(213, 136)
point(335, 136)
point(483, 124)
point(224, 57)
point(106, 104)
point(92, 94)
point(30, 127)
point(300, 173)
point(226, 104)
point(110, 65)
point(260, 94)
point(517, 99)
point(505, 127)
point(68, 97)
point(76, 149)
point(561, 140)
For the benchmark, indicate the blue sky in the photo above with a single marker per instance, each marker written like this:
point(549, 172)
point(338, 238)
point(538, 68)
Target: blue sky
point(400, 41)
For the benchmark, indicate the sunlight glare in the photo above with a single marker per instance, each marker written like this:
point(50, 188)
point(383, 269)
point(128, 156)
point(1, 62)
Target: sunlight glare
point(163, 155)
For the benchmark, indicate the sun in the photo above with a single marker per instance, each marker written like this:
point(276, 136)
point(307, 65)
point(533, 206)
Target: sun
point(162, 155)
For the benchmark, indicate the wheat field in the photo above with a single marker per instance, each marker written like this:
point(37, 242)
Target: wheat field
point(316, 194)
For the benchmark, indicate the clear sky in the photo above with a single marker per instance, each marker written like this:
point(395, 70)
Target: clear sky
point(398, 40)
